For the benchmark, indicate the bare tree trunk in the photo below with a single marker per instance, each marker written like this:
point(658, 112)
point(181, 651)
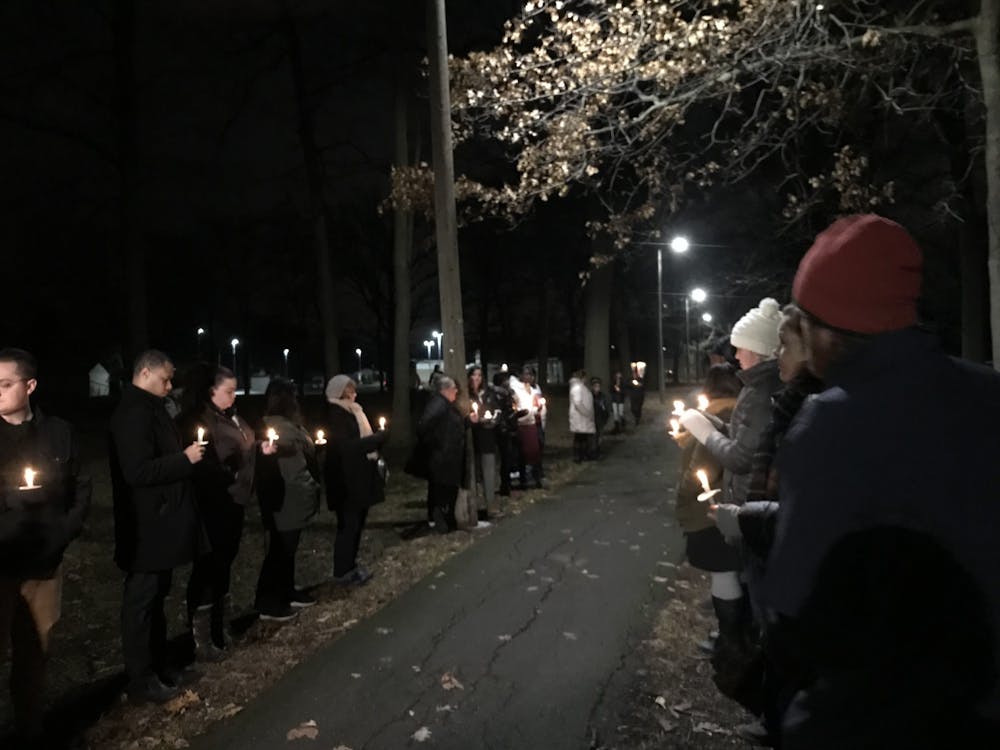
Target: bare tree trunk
point(987, 48)
point(402, 244)
point(446, 225)
point(597, 321)
point(621, 334)
point(326, 294)
point(123, 24)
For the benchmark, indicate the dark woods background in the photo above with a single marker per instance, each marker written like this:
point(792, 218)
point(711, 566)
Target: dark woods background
point(154, 159)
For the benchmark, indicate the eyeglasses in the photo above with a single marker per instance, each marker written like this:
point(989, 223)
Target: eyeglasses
point(6, 385)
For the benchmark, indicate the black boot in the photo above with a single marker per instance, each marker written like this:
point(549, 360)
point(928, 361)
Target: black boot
point(201, 628)
point(739, 669)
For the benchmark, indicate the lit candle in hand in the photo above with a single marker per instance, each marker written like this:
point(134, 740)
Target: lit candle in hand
point(708, 492)
point(381, 423)
point(29, 480)
point(675, 428)
point(320, 437)
point(272, 435)
point(679, 408)
point(487, 414)
point(475, 408)
point(702, 402)
point(201, 436)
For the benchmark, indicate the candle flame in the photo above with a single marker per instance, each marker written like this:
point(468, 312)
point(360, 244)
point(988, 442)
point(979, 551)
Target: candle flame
point(29, 478)
point(201, 435)
point(381, 423)
point(487, 414)
point(675, 426)
point(475, 407)
point(679, 407)
point(702, 401)
point(541, 402)
point(320, 434)
point(703, 478)
point(272, 434)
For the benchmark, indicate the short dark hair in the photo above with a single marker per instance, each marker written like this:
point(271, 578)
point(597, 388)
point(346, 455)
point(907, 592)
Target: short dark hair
point(500, 377)
point(27, 365)
point(721, 381)
point(152, 359)
point(282, 401)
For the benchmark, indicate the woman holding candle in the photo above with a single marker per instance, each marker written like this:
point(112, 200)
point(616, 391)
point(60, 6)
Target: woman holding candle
point(581, 415)
point(354, 479)
point(755, 337)
point(288, 489)
point(618, 402)
point(484, 436)
point(706, 549)
point(223, 483)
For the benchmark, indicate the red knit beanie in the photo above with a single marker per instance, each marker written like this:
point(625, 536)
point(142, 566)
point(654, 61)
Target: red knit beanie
point(862, 274)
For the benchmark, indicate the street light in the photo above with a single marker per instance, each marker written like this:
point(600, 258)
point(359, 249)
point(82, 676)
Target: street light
point(234, 343)
point(678, 245)
point(197, 351)
point(438, 335)
point(697, 295)
point(428, 343)
point(358, 352)
point(285, 353)
point(707, 317)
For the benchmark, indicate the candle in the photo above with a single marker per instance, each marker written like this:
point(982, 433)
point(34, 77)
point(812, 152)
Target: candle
point(29, 480)
point(201, 436)
point(635, 382)
point(381, 423)
point(708, 493)
point(272, 435)
point(702, 401)
point(679, 407)
point(475, 408)
point(487, 414)
point(320, 437)
point(675, 427)
point(541, 402)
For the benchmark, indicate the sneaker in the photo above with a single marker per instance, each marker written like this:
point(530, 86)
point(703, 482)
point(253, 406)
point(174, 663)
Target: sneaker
point(150, 690)
point(278, 614)
point(301, 600)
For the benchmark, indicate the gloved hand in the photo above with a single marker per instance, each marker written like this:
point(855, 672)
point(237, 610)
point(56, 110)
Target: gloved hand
point(697, 424)
point(727, 519)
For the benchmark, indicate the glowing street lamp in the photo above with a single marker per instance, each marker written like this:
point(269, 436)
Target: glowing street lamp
point(680, 244)
point(428, 343)
point(233, 344)
point(201, 332)
point(284, 353)
point(438, 335)
point(358, 352)
point(707, 317)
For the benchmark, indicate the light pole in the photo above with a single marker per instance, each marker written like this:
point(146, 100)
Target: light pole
point(284, 352)
point(438, 335)
point(679, 245)
point(358, 352)
point(233, 344)
point(697, 296)
point(428, 343)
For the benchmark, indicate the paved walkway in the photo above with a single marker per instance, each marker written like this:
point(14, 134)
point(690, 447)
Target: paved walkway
point(536, 622)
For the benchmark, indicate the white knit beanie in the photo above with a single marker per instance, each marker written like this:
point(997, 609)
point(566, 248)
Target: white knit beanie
point(757, 331)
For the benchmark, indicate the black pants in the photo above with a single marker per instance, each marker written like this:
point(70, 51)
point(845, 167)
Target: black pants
point(350, 526)
point(581, 446)
point(211, 573)
point(276, 582)
point(144, 625)
point(442, 497)
point(506, 451)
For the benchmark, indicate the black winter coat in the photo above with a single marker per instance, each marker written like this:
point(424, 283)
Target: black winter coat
point(441, 442)
point(352, 481)
point(484, 432)
point(157, 525)
point(226, 473)
point(37, 525)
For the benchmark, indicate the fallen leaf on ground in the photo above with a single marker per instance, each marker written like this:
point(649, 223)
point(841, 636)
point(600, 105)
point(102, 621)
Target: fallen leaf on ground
point(307, 730)
point(415, 668)
point(660, 701)
point(356, 675)
point(707, 727)
point(422, 735)
point(230, 710)
point(660, 579)
point(444, 708)
point(530, 572)
point(341, 747)
point(532, 588)
point(450, 682)
point(505, 638)
point(182, 702)
point(383, 631)
point(570, 636)
point(665, 724)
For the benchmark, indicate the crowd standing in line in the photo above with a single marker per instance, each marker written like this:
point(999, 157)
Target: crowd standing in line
point(868, 545)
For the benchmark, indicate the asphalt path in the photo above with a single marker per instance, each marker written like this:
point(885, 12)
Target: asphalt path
point(532, 629)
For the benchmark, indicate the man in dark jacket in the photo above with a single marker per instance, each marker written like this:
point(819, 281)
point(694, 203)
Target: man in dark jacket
point(157, 526)
point(441, 435)
point(882, 579)
point(43, 503)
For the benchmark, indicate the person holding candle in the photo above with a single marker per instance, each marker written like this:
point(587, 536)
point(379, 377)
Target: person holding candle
point(484, 436)
point(288, 490)
point(223, 483)
point(507, 430)
point(157, 522)
point(636, 392)
point(600, 416)
point(354, 478)
point(581, 415)
point(528, 429)
point(732, 444)
point(706, 549)
point(44, 500)
point(881, 585)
